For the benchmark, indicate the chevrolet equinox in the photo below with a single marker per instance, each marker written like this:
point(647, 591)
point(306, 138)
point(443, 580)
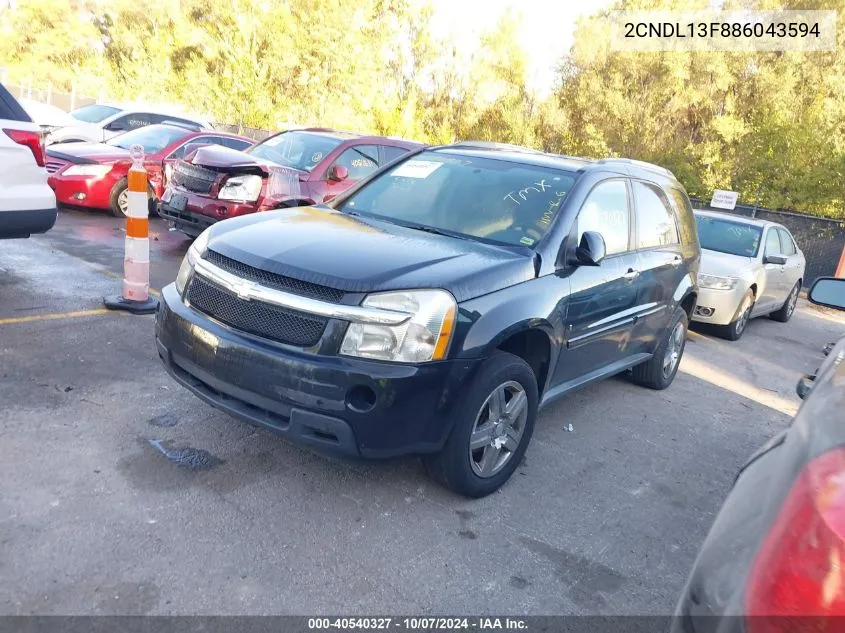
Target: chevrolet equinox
point(435, 307)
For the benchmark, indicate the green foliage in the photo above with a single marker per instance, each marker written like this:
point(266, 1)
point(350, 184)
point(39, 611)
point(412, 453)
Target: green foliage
point(745, 121)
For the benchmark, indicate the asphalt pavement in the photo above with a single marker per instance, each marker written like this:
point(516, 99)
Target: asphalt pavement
point(121, 493)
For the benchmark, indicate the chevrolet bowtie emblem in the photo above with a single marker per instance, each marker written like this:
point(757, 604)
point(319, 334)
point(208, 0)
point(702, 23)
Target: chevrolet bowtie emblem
point(243, 289)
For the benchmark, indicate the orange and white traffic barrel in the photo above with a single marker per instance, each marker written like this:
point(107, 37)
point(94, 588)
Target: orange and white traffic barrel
point(136, 262)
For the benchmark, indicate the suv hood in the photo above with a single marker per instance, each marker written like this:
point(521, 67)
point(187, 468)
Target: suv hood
point(355, 254)
point(225, 159)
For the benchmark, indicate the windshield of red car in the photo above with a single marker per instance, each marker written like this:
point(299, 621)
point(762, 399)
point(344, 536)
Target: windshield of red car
point(153, 138)
point(299, 150)
point(499, 200)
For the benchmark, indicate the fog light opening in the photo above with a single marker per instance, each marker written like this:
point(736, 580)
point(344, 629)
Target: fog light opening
point(703, 311)
point(361, 398)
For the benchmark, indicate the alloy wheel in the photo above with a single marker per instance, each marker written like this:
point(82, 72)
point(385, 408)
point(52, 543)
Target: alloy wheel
point(498, 429)
point(123, 201)
point(673, 349)
point(742, 321)
point(793, 301)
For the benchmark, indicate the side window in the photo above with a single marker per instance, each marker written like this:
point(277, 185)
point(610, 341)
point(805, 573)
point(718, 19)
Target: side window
point(391, 153)
point(772, 243)
point(360, 160)
point(686, 221)
point(656, 224)
point(787, 246)
point(606, 211)
point(135, 120)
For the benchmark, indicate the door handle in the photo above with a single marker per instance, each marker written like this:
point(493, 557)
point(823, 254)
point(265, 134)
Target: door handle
point(631, 274)
point(677, 261)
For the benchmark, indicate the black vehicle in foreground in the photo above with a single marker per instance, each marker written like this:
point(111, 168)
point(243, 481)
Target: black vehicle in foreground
point(774, 559)
point(435, 307)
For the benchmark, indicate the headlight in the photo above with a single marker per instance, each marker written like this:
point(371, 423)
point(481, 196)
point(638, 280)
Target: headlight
point(423, 337)
point(715, 282)
point(244, 188)
point(97, 171)
point(194, 254)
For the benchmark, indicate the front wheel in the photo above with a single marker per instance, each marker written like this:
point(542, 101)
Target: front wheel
point(659, 371)
point(492, 429)
point(734, 330)
point(119, 200)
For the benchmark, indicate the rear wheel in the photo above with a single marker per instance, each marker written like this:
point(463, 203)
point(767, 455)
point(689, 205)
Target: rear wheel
point(788, 308)
point(659, 371)
point(733, 330)
point(492, 429)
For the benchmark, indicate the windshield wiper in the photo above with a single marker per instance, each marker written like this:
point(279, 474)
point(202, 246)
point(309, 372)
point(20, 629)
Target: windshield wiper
point(432, 229)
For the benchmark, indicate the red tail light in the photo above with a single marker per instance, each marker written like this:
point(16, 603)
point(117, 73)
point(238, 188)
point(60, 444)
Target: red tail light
point(799, 571)
point(33, 140)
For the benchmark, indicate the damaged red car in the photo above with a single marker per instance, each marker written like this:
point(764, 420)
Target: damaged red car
point(94, 174)
point(292, 168)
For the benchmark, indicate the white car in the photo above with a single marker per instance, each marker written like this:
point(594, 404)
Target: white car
point(749, 268)
point(99, 122)
point(27, 204)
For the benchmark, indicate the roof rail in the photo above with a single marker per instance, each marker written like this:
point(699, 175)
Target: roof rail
point(507, 147)
point(637, 163)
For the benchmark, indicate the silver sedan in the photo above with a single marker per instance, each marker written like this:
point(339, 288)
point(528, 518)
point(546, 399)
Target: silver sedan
point(749, 268)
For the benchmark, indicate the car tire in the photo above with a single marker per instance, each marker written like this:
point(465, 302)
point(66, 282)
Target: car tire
point(735, 329)
point(117, 191)
point(120, 189)
point(503, 381)
point(659, 371)
point(788, 308)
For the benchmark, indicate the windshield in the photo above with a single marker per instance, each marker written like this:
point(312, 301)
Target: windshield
point(153, 138)
point(727, 236)
point(485, 198)
point(93, 113)
point(300, 150)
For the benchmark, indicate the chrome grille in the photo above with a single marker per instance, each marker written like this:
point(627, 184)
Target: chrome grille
point(261, 319)
point(194, 177)
point(273, 280)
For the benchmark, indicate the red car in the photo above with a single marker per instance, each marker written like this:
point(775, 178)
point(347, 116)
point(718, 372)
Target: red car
point(94, 174)
point(293, 168)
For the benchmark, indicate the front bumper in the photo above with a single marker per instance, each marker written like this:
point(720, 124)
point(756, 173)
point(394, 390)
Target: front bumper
point(338, 405)
point(721, 305)
point(82, 191)
point(201, 211)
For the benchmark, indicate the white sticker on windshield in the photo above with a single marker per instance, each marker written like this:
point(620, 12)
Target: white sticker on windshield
point(416, 169)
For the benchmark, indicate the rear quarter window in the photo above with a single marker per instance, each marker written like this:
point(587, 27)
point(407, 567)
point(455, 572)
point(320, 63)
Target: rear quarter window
point(686, 219)
point(10, 108)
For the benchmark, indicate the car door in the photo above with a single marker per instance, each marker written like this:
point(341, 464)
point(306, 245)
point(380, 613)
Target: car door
point(359, 161)
point(660, 263)
point(794, 271)
point(772, 294)
point(599, 318)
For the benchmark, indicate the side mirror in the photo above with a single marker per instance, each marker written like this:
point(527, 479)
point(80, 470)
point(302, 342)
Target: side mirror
point(778, 260)
point(592, 250)
point(338, 173)
point(828, 292)
point(116, 126)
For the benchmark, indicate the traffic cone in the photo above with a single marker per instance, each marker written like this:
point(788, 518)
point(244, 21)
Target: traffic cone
point(136, 263)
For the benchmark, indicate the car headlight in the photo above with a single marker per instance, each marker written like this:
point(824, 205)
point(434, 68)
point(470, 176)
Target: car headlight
point(244, 188)
point(715, 282)
point(97, 171)
point(424, 337)
point(194, 254)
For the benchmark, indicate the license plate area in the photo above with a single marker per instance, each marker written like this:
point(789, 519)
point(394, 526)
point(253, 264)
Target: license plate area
point(178, 202)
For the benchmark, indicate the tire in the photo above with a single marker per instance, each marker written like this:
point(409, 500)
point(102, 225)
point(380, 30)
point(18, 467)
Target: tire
point(654, 373)
point(788, 308)
point(460, 468)
point(117, 191)
point(734, 330)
